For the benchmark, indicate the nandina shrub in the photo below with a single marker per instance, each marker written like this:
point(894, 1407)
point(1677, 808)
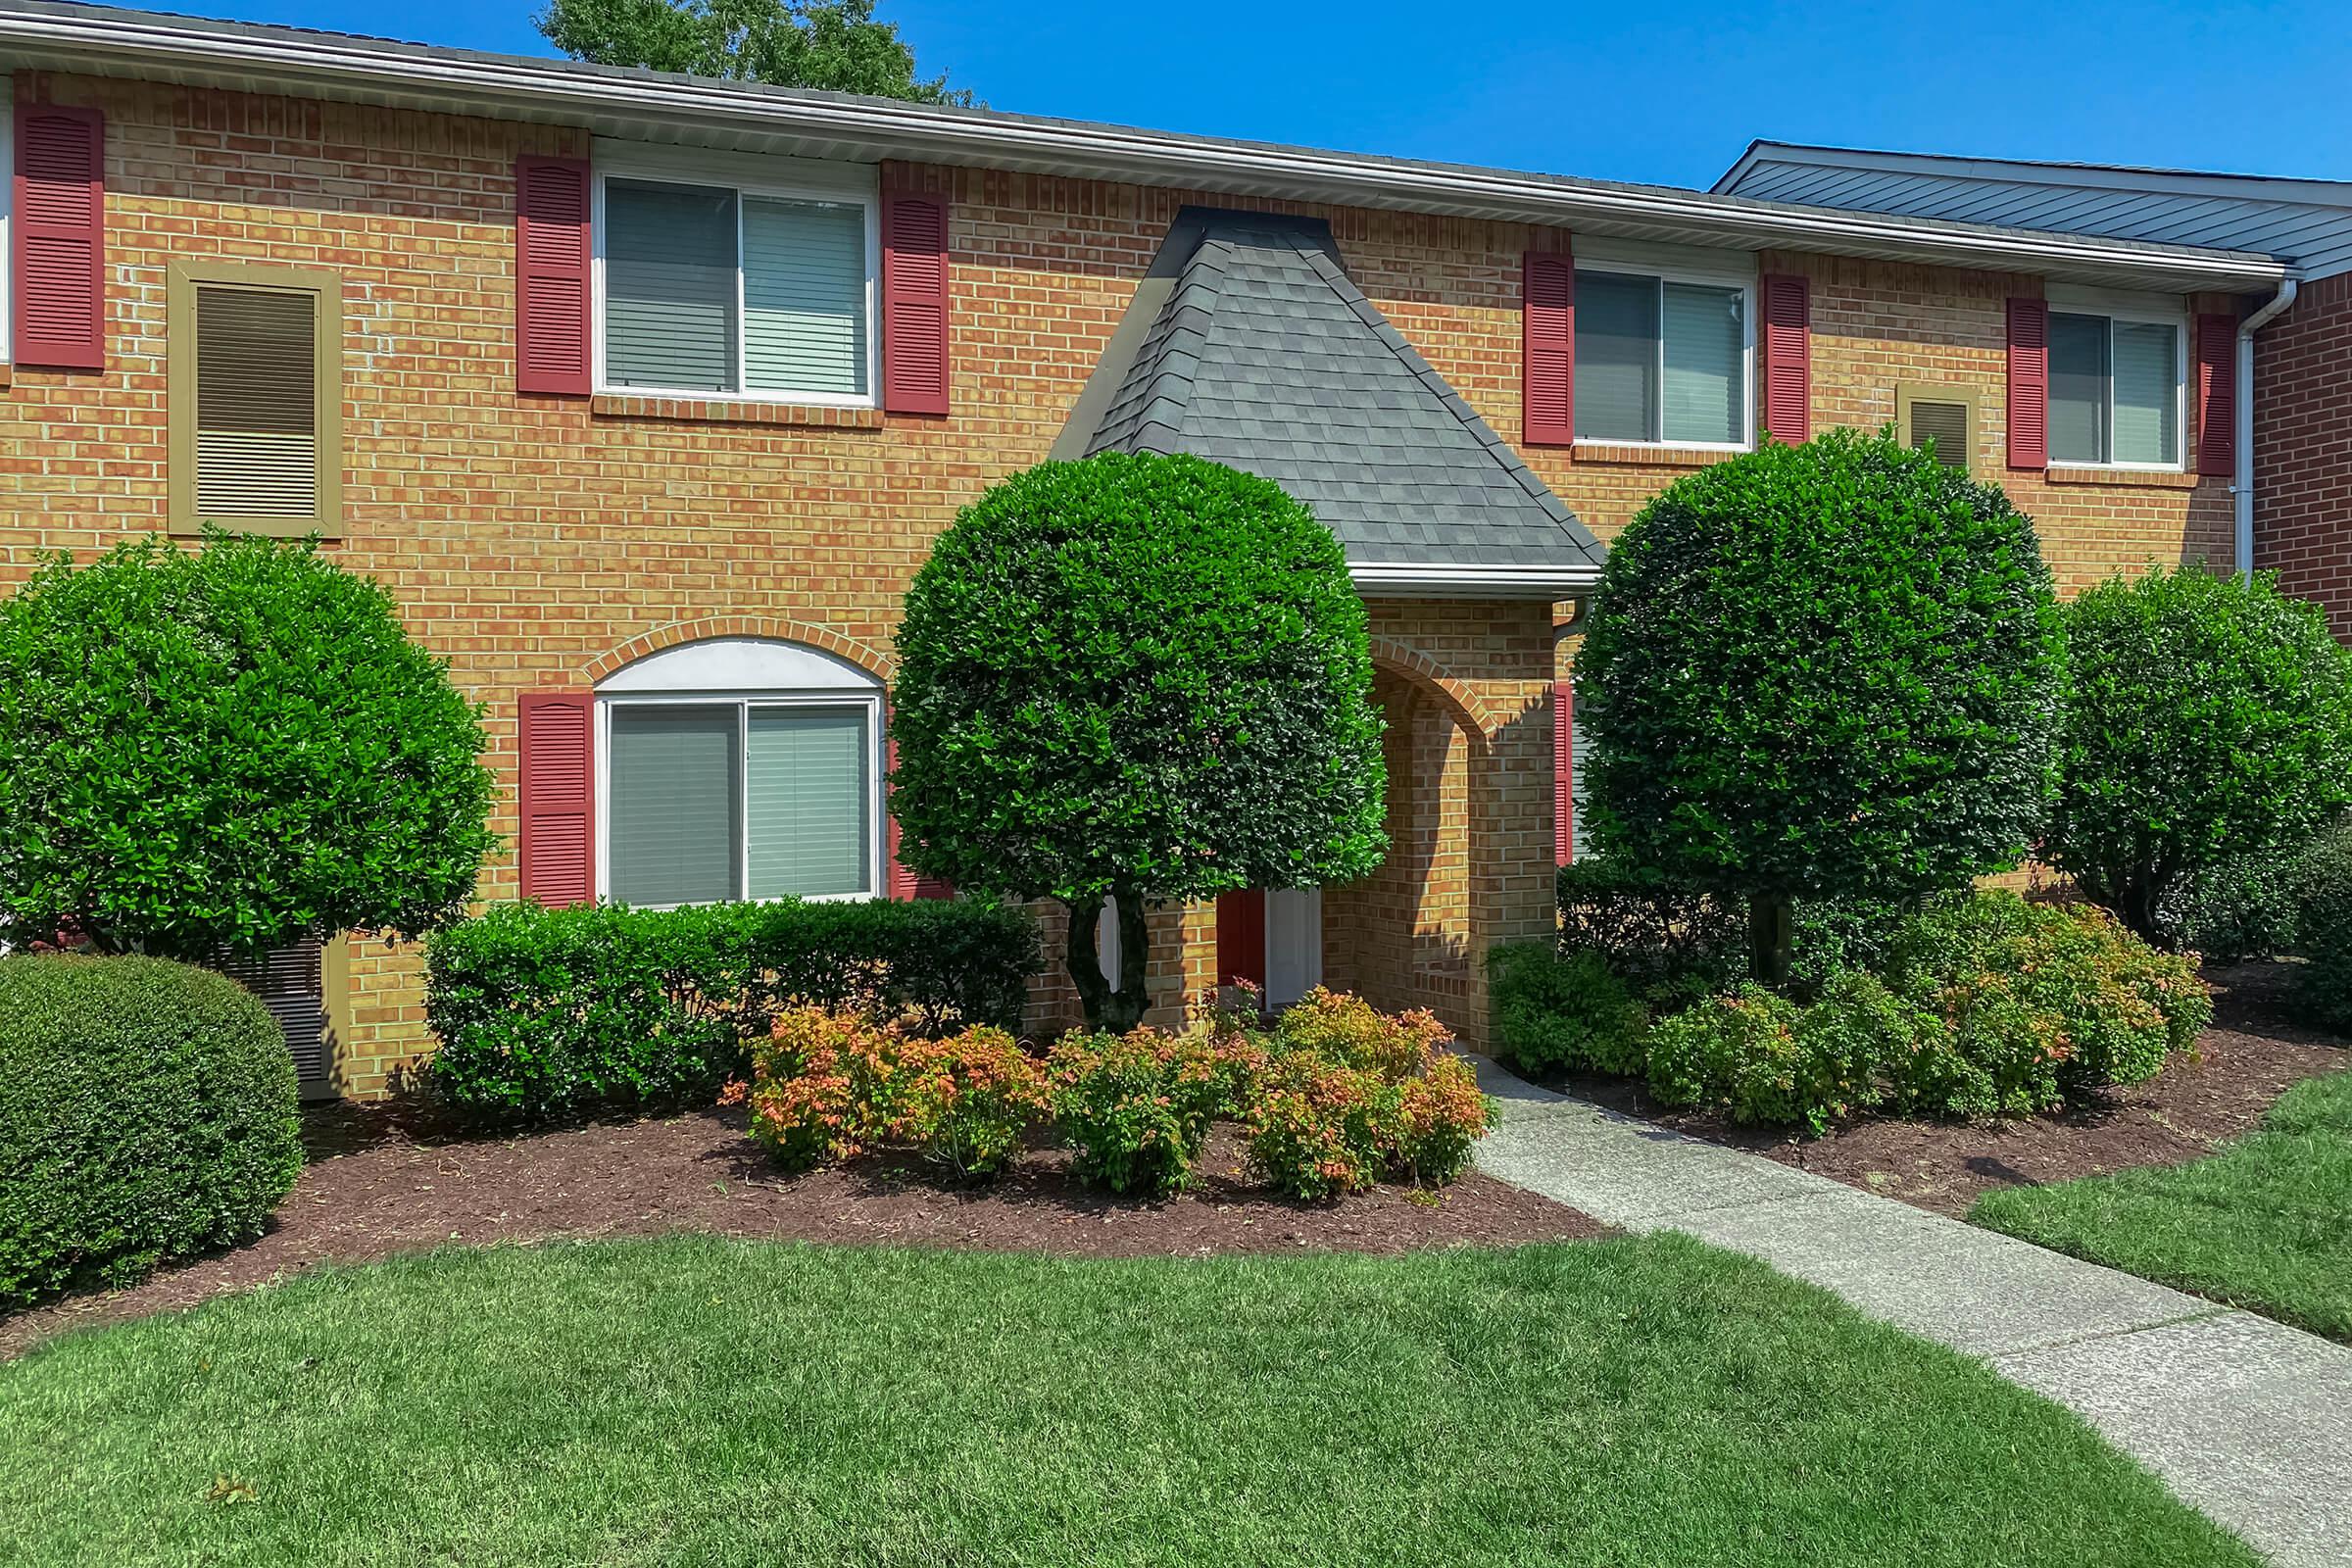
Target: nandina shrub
point(1135, 1108)
point(1349, 1029)
point(828, 1086)
point(1440, 1115)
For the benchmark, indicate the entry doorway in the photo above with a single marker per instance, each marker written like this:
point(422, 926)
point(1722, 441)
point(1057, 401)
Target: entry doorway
point(1273, 938)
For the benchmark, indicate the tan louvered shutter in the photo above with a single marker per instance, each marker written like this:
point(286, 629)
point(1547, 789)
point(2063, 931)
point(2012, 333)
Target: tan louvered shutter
point(256, 402)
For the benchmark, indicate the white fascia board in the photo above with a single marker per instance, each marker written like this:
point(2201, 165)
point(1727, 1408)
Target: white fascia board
point(1448, 580)
point(559, 90)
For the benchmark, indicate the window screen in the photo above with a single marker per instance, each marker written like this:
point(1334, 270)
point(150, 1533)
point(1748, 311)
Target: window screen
point(670, 286)
point(1616, 357)
point(257, 402)
point(1657, 361)
point(2077, 388)
point(673, 799)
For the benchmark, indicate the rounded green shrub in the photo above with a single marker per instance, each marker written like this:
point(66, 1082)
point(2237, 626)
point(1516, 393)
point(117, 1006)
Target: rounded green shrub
point(1141, 677)
point(2211, 718)
point(231, 748)
point(2242, 907)
point(147, 1112)
point(2324, 930)
point(1821, 671)
point(1564, 1012)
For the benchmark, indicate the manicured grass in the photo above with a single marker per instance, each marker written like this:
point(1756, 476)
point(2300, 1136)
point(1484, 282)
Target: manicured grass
point(714, 1402)
point(2265, 1223)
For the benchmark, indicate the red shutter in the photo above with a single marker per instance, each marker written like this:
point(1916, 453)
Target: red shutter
point(1787, 344)
point(2217, 394)
point(1547, 355)
point(904, 883)
point(59, 261)
point(551, 277)
point(2029, 383)
point(558, 792)
point(1563, 772)
point(1241, 936)
point(914, 304)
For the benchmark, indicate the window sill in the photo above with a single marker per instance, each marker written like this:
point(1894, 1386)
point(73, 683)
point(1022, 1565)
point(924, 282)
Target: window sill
point(1657, 457)
point(2126, 478)
point(729, 410)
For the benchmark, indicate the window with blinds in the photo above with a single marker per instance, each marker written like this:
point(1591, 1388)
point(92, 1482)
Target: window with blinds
point(1659, 361)
point(254, 385)
point(2115, 390)
point(705, 802)
point(714, 289)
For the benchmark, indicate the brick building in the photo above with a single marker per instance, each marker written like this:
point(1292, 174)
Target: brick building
point(645, 396)
point(2292, 358)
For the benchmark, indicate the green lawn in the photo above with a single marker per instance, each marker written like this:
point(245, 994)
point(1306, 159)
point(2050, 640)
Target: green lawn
point(2265, 1223)
point(704, 1402)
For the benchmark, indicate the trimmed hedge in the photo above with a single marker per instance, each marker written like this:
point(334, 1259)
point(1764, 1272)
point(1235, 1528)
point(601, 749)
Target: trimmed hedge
point(2324, 931)
point(1564, 1012)
point(147, 1112)
point(547, 1013)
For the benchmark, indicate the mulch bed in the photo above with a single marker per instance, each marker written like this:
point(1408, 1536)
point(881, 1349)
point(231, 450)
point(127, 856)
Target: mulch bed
point(2253, 1054)
point(381, 1181)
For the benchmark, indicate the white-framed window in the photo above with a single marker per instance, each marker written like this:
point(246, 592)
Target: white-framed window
point(735, 277)
point(739, 768)
point(1665, 353)
point(2119, 379)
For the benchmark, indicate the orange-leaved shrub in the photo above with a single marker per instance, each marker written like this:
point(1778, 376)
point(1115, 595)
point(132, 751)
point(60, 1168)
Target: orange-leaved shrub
point(1135, 1108)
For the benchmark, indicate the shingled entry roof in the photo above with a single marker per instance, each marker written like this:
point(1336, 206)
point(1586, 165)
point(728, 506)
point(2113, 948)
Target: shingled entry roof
point(1261, 353)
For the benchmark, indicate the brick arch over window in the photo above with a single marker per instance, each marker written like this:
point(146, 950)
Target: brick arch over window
point(873, 662)
point(1465, 705)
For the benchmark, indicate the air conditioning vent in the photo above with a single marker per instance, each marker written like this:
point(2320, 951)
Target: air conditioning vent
point(1943, 425)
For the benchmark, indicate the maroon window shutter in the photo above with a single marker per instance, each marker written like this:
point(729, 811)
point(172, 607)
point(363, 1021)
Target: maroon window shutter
point(59, 261)
point(904, 883)
point(551, 277)
point(1563, 772)
point(1548, 357)
point(557, 798)
point(1787, 343)
point(914, 304)
point(1241, 936)
point(2217, 394)
point(2029, 383)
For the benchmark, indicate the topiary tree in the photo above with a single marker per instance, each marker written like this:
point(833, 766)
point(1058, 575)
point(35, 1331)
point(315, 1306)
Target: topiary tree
point(1138, 677)
point(230, 749)
point(2212, 716)
point(1828, 670)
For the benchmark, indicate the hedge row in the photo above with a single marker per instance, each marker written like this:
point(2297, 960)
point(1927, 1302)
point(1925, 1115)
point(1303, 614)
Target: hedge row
point(546, 1014)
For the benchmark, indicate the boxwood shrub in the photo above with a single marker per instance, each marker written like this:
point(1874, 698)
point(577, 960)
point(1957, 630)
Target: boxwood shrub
point(147, 1112)
point(546, 1014)
point(1564, 1012)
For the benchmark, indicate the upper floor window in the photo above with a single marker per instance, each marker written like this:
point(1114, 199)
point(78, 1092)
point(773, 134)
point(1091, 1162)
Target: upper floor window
point(254, 394)
point(733, 290)
point(1662, 359)
point(2116, 386)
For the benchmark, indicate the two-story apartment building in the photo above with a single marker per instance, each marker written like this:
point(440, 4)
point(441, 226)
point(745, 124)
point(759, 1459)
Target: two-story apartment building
point(645, 397)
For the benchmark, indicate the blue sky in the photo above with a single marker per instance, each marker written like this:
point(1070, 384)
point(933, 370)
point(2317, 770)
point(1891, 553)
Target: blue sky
point(1626, 91)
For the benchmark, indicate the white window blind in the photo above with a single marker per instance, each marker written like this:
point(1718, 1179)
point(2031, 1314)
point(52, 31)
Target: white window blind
point(2115, 390)
point(2147, 411)
point(257, 402)
point(805, 792)
point(803, 297)
point(1705, 357)
point(670, 286)
point(1616, 357)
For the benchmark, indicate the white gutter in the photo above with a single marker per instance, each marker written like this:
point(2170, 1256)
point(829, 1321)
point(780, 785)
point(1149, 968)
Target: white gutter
point(554, 88)
point(2241, 411)
point(1448, 580)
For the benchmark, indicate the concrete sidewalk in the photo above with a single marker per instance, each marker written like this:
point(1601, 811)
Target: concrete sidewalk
point(2247, 1419)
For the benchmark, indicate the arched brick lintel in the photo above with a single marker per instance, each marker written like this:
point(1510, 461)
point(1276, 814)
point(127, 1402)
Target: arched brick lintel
point(1467, 708)
point(873, 661)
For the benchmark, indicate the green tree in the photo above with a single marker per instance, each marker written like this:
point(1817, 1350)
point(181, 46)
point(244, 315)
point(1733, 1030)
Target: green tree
point(1820, 671)
point(2212, 717)
point(233, 748)
point(832, 45)
point(1138, 677)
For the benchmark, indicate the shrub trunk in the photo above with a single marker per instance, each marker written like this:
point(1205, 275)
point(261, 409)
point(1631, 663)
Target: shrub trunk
point(1121, 1009)
point(1771, 940)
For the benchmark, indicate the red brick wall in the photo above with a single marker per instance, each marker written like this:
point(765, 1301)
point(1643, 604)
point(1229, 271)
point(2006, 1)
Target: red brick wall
point(2303, 448)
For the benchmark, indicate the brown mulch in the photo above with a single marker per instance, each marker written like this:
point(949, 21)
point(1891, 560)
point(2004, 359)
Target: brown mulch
point(383, 1181)
point(2251, 1055)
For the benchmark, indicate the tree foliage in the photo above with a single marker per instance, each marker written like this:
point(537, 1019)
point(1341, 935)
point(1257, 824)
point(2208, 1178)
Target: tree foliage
point(1826, 670)
point(836, 45)
point(1136, 676)
point(2212, 717)
point(233, 748)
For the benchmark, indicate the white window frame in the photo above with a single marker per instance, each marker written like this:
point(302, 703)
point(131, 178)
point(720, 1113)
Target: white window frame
point(2139, 311)
point(8, 235)
point(752, 177)
point(1668, 264)
point(877, 831)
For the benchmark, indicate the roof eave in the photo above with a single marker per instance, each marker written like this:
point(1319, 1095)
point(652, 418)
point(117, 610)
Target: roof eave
point(1450, 580)
point(553, 90)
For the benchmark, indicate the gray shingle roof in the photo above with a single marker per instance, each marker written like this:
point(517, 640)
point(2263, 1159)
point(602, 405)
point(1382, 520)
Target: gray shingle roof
point(1267, 357)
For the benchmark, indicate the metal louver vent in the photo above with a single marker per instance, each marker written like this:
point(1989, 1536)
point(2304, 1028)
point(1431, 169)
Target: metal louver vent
point(257, 409)
point(1944, 424)
point(291, 983)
